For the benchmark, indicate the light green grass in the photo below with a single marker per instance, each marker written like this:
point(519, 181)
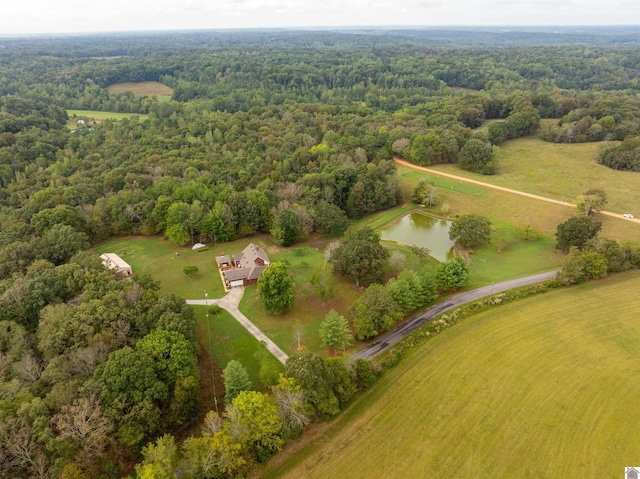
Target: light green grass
point(157, 257)
point(547, 386)
point(88, 115)
point(227, 340)
point(563, 172)
point(308, 310)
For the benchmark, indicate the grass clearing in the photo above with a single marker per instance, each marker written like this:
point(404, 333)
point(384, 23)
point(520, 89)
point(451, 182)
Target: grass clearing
point(91, 116)
point(143, 88)
point(562, 172)
point(547, 385)
point(228, 340)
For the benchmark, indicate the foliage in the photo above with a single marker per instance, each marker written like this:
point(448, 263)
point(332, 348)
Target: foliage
point(410, 291)
point(360, 255)
point(452, 274)
point(276, 288)
point(254, 423)
point(286, 228)
point(526, 231)
point(160, 459)
point(311, 373)
point(470, 231)
point(625, 156)
point(576, 231)
point(292, 411)
point(593, 199)
point(236, 380)
point(476, 155)
point(190, 270)
point(582, 265)
point(323, 280)
point(335, 332)
point(425, 193)
point(364, 376)
point(374, 312)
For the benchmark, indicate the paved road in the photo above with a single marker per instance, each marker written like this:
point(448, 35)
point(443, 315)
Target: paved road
point(508, 190)
point(230, 303)
point(392, 337)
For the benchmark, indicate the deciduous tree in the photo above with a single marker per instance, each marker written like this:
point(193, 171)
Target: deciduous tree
point(470, 231)
point(360, 255)
point(276, 288)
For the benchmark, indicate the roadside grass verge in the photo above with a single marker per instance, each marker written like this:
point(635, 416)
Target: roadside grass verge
point(547, 384)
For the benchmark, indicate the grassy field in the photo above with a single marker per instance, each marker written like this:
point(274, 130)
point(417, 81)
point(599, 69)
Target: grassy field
point(98, 116)
point(563, 172)
point(143, 88)
point(547, 386)
point(226, 339)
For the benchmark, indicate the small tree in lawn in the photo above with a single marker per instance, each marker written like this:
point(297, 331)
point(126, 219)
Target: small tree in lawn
point(190, 270)
point(452, 274)
point(276, 288)
point(593, 199)
point(576, 231)
point(360, 255)
point(397, 261)
point(236, 380)
point(334, 331)
point(323, 280)
point(470, 231)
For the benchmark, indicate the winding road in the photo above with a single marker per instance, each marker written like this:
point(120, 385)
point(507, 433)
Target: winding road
point(389, 339)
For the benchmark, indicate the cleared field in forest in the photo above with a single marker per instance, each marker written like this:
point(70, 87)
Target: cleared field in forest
point(143, 88)
point(546, 386)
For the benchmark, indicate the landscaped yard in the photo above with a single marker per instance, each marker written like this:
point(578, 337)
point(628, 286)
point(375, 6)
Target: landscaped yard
point(547, 386)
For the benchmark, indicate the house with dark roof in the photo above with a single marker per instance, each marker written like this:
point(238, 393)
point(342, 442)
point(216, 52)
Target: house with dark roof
point(243, 269)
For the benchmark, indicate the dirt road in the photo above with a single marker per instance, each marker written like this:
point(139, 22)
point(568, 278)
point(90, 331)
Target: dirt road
point(508, 190)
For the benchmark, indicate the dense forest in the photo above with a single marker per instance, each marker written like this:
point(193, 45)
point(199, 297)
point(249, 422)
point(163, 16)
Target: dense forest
point(261, 127)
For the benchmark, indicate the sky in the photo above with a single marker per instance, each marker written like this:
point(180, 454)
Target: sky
point(77, 16)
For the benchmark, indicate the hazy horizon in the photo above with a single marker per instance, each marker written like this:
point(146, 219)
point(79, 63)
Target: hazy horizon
point(41, 17)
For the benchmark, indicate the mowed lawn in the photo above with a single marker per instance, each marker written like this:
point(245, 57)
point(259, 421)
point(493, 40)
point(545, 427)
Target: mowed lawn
point(546, 387)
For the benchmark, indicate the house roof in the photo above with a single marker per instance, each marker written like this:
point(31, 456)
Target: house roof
point(113, 260)
point(252, 262)
point(250, 256)
point(222, 259)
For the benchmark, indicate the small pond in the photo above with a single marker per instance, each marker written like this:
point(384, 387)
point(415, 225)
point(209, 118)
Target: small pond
point(421, 230)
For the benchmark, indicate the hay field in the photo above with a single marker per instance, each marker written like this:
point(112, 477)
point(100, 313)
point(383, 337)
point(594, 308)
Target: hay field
point(547, 386)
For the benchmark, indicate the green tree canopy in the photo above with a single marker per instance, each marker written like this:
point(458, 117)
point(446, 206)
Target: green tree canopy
point(374, 312)
point(236, 380)
point(470, 231)
point(276, 288)
point(360, 255)
point(334, 331)
point(576, 231)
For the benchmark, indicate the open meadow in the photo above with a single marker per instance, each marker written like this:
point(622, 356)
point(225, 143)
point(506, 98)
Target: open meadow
point(546, 386)
point(143, 88)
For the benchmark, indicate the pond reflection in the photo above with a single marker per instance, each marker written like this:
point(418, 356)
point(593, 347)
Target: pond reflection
point(421, 230)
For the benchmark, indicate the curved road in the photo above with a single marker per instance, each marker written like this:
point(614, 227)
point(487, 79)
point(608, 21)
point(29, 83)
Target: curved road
point(502, 188)
point(392, 337)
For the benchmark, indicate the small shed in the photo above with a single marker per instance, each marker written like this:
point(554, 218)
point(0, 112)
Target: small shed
point(115, 263)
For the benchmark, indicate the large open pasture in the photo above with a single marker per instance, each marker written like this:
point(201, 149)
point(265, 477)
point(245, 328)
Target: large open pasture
point(545, 387)
point(143, 88)
point(562, 172)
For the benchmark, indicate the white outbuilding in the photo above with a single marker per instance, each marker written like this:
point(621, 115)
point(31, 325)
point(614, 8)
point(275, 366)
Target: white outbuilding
point(115, 263)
